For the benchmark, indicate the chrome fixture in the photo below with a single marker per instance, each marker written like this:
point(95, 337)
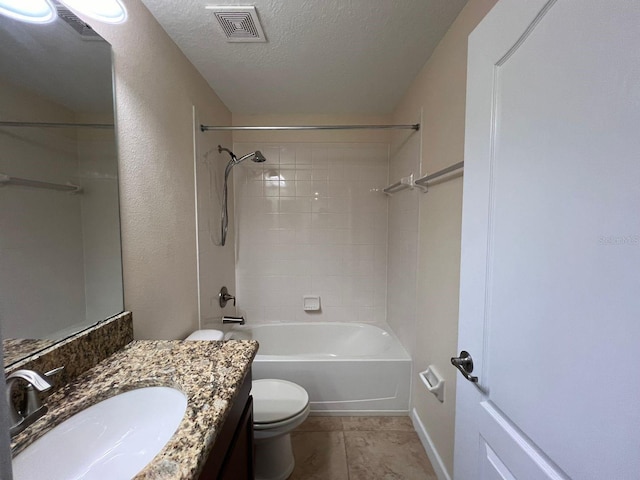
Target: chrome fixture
point(403, 184)
point(33, 408)
point(55, 125)
point(230, 319)
point(24, 182)
point(414, 126)
point(254, 157)
point(224, 296)
point(464, 363)
point(423, 181)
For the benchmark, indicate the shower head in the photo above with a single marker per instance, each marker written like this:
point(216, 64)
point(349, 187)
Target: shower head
point(254, 156)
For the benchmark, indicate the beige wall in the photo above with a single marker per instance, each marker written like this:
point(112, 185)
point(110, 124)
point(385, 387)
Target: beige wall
point(439, 90)
point(156, 87)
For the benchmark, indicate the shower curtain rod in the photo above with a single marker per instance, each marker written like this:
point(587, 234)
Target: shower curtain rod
point(416, 126)
point(55, 125)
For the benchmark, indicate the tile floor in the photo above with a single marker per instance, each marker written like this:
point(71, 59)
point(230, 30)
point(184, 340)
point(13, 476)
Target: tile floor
point(359, 448)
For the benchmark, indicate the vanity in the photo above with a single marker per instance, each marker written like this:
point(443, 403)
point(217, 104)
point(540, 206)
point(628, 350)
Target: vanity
point(214, 438)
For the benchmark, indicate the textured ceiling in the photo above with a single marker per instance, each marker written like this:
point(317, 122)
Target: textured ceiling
point(322, 56)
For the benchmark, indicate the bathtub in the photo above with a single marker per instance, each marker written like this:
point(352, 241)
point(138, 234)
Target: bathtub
point(347, 368)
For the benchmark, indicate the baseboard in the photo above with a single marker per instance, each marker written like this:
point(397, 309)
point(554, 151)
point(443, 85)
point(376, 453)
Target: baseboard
point(358, 413)
point(432, 453)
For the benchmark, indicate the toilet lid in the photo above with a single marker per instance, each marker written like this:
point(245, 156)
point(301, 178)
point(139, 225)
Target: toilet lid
point(277, 400)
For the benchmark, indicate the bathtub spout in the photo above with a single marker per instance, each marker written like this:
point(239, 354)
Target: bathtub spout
point(230, 319)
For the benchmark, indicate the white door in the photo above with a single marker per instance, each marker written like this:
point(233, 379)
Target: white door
point(550, 275)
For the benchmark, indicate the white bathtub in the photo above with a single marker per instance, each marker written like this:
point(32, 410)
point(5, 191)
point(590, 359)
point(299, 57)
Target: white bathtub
point(347, 368)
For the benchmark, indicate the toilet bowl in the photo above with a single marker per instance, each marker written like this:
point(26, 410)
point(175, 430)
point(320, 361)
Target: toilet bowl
point(279, 406)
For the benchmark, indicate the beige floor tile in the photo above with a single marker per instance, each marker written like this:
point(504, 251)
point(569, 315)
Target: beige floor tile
point(319, 456)
point(321, 424)
point(386, 456)
point(376, 424)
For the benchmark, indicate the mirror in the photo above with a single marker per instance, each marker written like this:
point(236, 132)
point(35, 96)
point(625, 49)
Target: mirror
point(60, 255)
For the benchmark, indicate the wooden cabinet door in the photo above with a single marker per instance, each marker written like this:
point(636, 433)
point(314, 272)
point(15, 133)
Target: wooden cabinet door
point(239, 464)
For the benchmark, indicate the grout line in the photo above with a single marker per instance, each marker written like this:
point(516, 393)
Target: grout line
point(346, 455)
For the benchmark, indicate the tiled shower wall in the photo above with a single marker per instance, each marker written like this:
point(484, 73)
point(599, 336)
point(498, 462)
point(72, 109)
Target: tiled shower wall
point(311, 221)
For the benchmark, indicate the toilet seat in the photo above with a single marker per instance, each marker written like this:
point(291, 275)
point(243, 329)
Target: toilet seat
point(277, 402)
point(288, 423)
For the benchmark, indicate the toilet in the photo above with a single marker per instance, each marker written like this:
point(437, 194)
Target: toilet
point(206, 335)
point(279, 406)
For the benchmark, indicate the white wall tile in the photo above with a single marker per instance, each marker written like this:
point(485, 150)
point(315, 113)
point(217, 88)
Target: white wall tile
point(309, 223)
point(288, 154)
point(304, 188)
point(303, 154)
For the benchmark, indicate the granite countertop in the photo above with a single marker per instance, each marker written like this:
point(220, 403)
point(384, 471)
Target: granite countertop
point(17, 348)
point(209, 373)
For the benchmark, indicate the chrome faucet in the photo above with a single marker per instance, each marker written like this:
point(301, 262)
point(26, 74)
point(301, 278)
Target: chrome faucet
point(224, 296)
point(32, 409)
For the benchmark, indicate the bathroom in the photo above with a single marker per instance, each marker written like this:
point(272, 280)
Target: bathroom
point(316, 223)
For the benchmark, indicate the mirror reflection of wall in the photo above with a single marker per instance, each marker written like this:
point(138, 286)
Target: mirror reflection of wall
point(60, 256)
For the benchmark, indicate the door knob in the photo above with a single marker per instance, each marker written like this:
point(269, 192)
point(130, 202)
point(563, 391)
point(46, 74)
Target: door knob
point(464, 363)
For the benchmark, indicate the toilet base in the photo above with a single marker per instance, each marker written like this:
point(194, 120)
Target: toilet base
point(274, 458)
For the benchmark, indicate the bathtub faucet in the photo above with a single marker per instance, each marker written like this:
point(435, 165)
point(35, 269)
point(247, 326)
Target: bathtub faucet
point(224, 296)
point(230, 319)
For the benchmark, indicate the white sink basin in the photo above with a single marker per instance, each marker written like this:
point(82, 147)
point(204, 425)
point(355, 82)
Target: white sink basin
point(112, 439)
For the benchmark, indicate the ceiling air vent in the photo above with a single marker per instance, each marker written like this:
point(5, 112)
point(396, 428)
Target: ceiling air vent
point(239, 24)
point(71, 19)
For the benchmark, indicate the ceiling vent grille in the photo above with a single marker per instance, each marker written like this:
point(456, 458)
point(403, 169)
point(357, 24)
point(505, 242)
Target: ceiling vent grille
point(71, 19)
point(239, 24)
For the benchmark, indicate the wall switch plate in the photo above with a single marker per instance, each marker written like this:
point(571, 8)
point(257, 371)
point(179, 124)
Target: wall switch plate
point(311, 303)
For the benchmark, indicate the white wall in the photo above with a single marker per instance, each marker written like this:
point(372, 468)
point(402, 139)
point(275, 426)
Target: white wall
point(156, 89)
point(439, 90)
